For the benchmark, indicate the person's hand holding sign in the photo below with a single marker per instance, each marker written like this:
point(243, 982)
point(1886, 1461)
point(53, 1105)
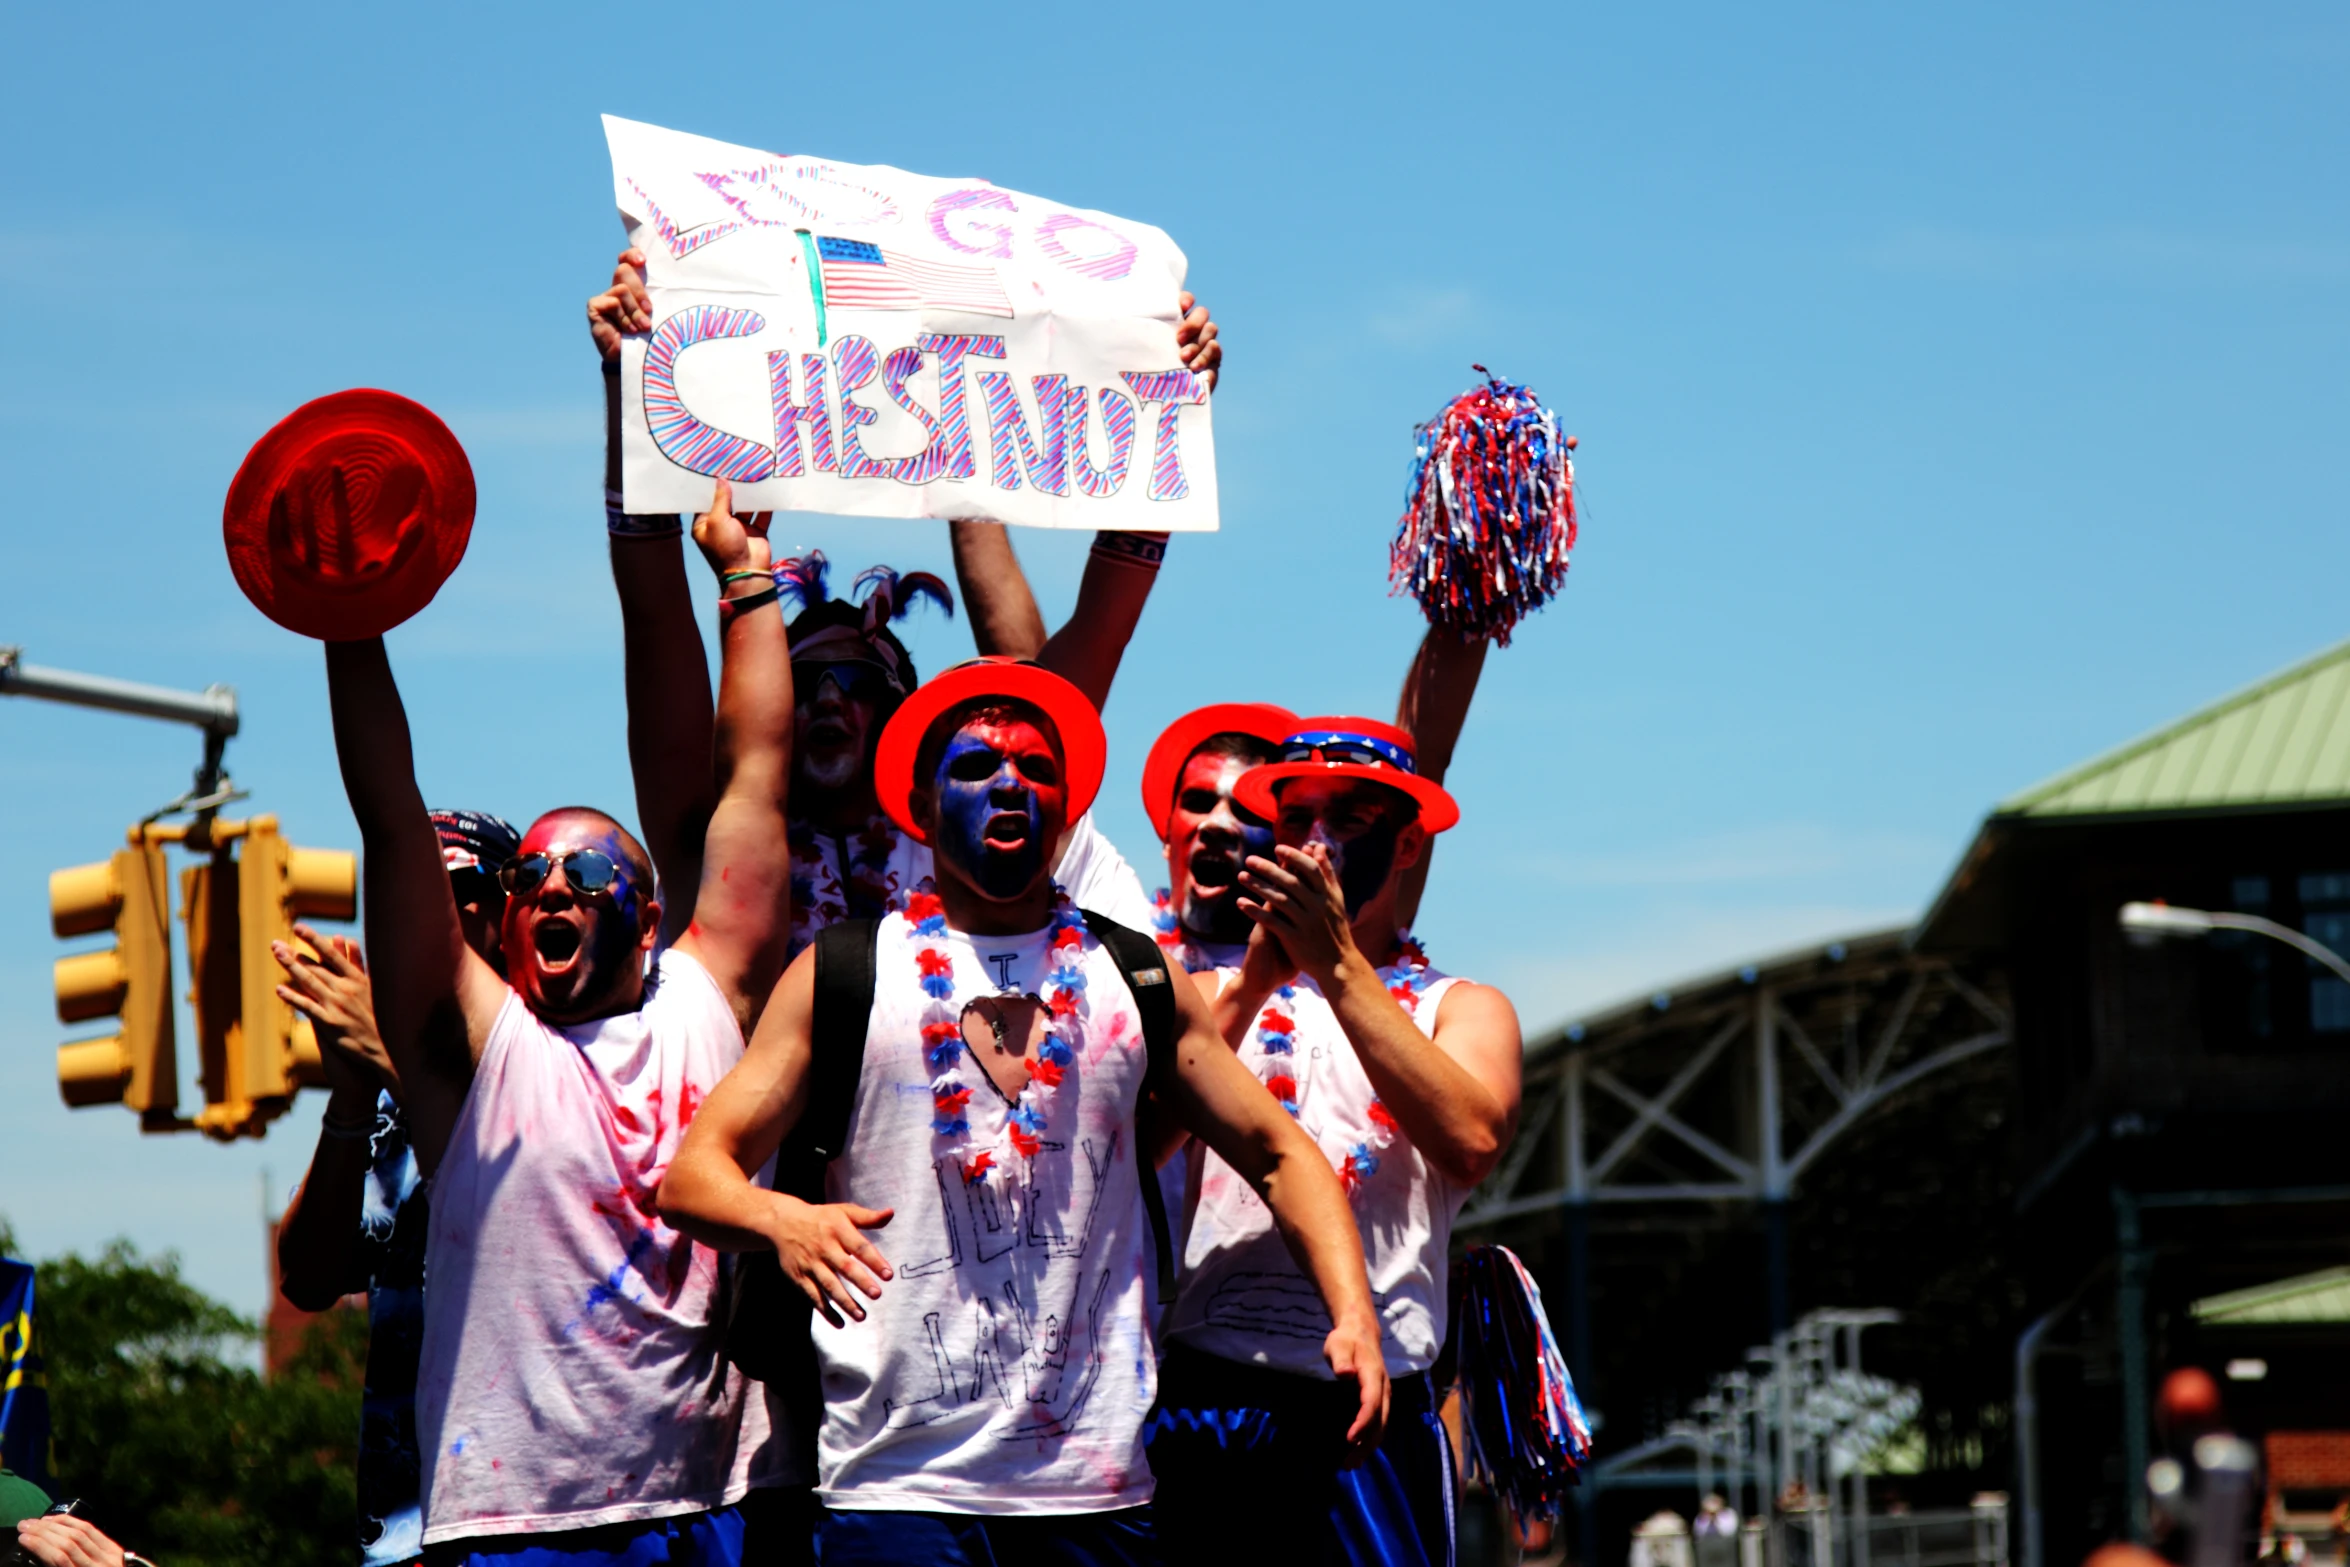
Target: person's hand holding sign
point(624, 309)
point(1195, 339)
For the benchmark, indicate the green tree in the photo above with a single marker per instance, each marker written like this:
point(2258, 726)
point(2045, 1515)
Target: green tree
point(175, 1443)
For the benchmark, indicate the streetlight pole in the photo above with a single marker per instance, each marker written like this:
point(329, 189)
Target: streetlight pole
point(213, 710)
point(2148, 923)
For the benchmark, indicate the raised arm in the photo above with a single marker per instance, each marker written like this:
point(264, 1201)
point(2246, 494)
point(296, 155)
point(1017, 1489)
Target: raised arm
point(1437, 690)
point(670, 721)
point(1119, 574)
point(996, 596)
point(1221, 1102)
point(434, 999)
point(740, 923)
point(318, 1253)
point(709, 1192)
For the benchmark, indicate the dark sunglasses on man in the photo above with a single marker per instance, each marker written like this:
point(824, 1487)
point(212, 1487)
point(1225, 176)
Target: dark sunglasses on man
point(855, 681)
point(585, 870)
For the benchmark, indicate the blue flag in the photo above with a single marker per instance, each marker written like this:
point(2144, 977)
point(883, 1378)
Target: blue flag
point(24, 1387)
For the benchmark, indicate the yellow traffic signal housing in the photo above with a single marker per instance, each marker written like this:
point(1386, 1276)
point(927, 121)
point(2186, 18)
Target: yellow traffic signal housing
point(137, 1066)
point(256, 1050)
point(278, 883)
point(208, 903)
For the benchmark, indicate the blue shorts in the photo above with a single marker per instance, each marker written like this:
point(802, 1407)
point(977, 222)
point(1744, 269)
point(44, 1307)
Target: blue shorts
point(1248, 1471)
point(881, 1539)
point(768, 1528)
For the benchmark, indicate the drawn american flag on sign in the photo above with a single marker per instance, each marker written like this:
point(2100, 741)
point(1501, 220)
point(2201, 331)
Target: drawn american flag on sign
point(861, 275)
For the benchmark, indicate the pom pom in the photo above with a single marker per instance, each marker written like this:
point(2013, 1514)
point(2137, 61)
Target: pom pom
point(1526, 1433)
point(1489, 516)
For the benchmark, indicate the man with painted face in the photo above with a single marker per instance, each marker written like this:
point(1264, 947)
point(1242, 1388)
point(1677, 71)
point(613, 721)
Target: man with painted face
point(985, 1381)
point(1407, 1079)
point(1187, 784)
point(569, 1397)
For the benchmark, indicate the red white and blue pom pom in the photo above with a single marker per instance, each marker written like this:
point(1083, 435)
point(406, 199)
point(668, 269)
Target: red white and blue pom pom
point(1489, 516)
point(1526, 1432)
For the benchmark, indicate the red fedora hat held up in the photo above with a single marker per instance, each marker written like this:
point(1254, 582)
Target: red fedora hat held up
point(349, 515)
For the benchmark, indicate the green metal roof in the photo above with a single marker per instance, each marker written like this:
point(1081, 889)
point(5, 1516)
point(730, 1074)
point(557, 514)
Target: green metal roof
point(2284, 740)
point(2313, 1297)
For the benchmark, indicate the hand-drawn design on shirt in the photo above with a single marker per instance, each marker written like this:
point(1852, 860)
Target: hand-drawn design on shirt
point(1045, 1351)
point(1281, 1305)
point(1059, 1361)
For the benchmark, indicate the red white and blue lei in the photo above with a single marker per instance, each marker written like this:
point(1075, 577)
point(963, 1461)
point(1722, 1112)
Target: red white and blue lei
point(947, 1057)
point(1276, 1040)
point(1172, 938)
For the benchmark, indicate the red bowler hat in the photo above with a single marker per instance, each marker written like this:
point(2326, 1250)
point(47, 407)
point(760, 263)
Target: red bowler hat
point(1163, 768)
point(1084, 748)
point(346, 519)
point(1350, 748)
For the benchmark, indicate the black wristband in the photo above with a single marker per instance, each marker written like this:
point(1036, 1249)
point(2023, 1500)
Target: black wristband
point(1148, 550)
point(729, 608)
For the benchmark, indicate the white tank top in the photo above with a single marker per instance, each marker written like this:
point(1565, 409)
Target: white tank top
point(570, 1374)
point(883, 865)
point(1243, 1297)
point(1007, 1367)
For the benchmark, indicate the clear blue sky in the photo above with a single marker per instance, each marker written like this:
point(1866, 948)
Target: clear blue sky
point(1960, 393)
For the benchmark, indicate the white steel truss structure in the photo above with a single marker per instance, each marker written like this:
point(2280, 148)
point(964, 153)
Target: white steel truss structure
point(1729, 1090)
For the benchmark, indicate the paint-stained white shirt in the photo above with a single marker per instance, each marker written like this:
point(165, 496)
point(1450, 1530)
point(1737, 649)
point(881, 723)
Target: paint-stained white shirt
point(570, 1372)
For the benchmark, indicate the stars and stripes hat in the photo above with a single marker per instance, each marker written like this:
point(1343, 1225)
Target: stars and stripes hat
point(475, 840)
point(1349, 748)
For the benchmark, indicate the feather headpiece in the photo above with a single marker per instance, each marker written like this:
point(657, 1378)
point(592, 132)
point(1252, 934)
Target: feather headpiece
point(893, 594)
point(800, 578)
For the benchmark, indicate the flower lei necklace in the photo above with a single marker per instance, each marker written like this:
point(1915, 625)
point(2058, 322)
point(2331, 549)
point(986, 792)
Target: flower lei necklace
point(1172, 938)
point(1164, 928)
point(1276, 1032)
point(945, 1053)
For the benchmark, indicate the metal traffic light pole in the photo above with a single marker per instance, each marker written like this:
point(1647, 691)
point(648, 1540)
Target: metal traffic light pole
point(213, 710)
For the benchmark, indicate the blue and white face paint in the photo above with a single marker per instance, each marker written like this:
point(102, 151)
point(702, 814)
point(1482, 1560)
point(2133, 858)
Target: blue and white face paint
point(1001, 805)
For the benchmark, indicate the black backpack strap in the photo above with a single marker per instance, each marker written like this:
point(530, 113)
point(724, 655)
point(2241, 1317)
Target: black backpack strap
point(766, 1318)
point(843, 1011)
point(1152, 980)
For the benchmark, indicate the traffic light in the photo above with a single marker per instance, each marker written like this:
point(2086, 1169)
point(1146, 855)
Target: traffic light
point(208, 904)
point(278, 883)
point(256, 1050)
point(136, 1066)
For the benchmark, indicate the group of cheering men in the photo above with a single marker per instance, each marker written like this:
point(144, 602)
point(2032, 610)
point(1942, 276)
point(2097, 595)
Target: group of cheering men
point(870, 930)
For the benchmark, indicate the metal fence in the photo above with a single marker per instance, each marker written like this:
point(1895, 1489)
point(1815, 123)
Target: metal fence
point(1955, 1537)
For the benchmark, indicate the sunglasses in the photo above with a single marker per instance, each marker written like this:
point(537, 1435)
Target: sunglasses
point(587, 870)
point(855, 682)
